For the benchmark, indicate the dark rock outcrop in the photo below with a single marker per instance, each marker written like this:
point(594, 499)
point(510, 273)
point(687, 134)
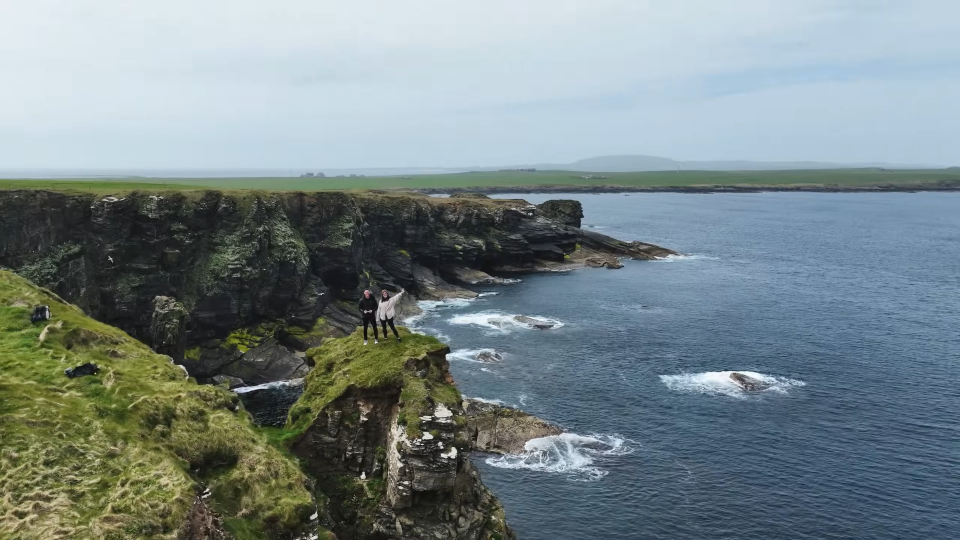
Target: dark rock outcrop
point(167, 327)
point(268, 404)
point(566, 211)
point(503, 430)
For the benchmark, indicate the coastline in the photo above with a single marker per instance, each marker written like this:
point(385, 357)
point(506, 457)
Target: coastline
point(943, 186)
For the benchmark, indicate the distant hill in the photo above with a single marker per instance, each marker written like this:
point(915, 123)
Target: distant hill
point(641, 163)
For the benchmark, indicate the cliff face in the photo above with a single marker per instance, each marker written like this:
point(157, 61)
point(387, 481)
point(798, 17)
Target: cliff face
point(273, 272)
point(237, 287)
point(384, 433)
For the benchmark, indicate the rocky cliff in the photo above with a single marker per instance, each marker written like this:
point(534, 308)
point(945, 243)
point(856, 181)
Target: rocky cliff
point(249, 288)
point(238, 283)
point(383, 431)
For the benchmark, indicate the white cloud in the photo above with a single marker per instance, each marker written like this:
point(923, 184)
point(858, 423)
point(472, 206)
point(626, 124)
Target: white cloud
point(322, 83)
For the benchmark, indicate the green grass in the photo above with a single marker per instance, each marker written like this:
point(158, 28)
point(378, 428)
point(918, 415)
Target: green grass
point(122, 454)
point(838, 177)
point(342, 363)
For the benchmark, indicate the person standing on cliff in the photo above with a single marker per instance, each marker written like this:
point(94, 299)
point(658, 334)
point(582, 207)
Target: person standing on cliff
point(368, 311)
point(386, 311)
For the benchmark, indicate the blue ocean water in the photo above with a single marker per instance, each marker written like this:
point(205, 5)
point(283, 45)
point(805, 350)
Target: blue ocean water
point(848, 303)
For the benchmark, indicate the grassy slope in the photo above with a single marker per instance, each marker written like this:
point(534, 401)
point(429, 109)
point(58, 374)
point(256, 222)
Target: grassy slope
point(345, 362)
point(840, 177)
point(121, 454)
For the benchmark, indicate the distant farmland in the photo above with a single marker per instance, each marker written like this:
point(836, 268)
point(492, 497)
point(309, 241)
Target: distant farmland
point(553, 180)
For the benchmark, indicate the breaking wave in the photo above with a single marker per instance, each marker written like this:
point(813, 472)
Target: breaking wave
point(681, 258)
point(501, 322)
point(719, 383)
point(578, 456)
point(471, 355)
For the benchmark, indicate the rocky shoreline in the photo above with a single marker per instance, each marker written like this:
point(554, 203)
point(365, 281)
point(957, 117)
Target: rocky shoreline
point(251, 291)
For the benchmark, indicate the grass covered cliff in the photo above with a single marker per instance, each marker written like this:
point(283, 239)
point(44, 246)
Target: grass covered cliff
point(124, 453)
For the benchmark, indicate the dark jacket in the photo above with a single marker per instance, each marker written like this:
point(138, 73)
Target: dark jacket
point(368, 304)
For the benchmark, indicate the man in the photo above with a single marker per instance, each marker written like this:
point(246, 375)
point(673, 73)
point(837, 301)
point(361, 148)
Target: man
point(368, 311)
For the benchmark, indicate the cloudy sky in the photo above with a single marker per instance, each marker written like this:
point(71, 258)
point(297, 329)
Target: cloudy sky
point(322, 83)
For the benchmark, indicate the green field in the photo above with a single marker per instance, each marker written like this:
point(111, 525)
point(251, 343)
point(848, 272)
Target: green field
point(841, 178)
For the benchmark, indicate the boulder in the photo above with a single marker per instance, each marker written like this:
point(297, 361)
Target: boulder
point(503, 430)
point(228, 381)
point(268, 362)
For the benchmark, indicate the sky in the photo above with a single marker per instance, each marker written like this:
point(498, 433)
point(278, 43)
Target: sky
point(318, 83)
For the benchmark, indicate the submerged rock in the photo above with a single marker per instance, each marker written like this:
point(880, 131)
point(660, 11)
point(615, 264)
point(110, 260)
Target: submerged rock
point(490, 357)
point(503, 430)
point(748, 383)
point(533, 322)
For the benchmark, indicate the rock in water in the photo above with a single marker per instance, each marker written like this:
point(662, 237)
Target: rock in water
point(490, 357)
point(539, 324)
point(747, 383)
point(268, 404)
point(503, 430)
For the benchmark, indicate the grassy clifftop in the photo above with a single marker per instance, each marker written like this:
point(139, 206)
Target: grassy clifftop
point(122, 454)
point(346, 362)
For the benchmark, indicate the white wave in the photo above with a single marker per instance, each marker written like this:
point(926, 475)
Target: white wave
point(719, 383)
point(510, 281)
point(274, 384)
point(433, 305)
point(485, 369)
point(681, 258)
point(501, 322)
point(487, 293)
point(523, 399)
point(568, 453)
point(484, 400)
point(470, 355)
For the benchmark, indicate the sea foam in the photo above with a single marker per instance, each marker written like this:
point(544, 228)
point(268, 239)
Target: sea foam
point(577, 456)
point(719, 383)
point(501, 322)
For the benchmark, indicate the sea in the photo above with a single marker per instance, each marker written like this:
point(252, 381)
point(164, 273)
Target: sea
point(847, 305)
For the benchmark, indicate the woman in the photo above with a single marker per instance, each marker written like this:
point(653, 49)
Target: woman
point(386, 311)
